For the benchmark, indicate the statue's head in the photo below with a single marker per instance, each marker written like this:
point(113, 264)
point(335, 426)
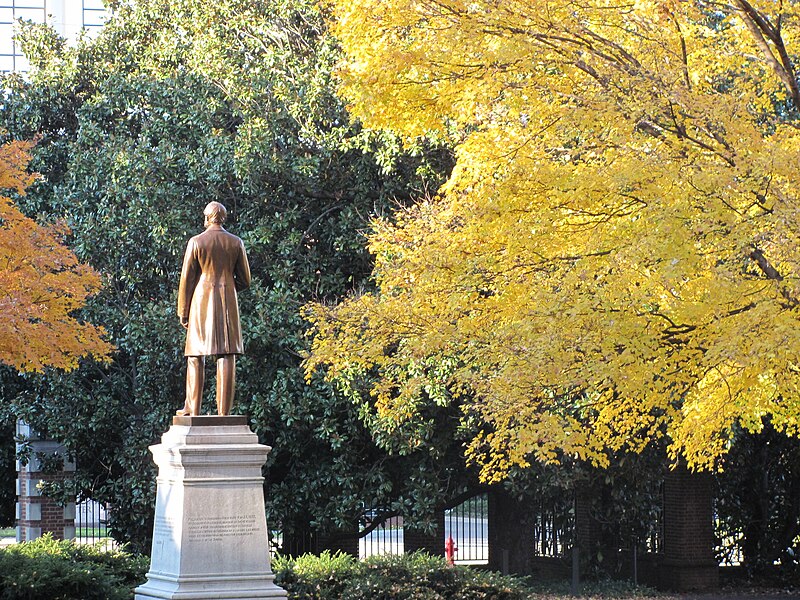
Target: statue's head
point(215, 213)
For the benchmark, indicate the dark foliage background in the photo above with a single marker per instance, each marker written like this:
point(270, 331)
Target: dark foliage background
point(173, 105)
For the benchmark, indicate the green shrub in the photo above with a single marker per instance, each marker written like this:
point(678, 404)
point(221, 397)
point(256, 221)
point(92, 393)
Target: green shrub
point(407, 577)
point(48, 569)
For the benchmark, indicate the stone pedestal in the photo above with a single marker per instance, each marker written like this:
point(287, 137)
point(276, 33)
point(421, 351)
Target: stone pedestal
point(210, 532)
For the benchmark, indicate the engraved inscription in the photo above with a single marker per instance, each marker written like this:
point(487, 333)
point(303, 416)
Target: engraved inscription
point(216, 529)
point(164, 526)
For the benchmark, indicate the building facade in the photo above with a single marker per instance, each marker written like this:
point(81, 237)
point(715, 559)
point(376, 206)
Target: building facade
point(68, 17)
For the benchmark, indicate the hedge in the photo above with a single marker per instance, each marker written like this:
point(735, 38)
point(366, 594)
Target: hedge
point(48, 569)
point(414, 576)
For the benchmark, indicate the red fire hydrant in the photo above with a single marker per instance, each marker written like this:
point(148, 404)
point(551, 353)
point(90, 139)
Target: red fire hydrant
point(450, 550)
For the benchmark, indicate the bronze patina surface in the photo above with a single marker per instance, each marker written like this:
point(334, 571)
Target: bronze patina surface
point(215, 269)
point(209, 420)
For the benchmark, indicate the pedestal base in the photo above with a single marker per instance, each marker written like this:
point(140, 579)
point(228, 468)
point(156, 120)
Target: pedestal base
point(209, 588)
point(210, 533)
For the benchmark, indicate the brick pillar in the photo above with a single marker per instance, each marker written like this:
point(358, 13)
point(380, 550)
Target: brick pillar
point(689, 562)
point(510, 534)
point(415, 540)
point(588, 532)
point(38, 514)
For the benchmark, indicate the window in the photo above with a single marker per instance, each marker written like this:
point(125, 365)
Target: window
point(68, 17)
point(94, 15)
point(11, 58)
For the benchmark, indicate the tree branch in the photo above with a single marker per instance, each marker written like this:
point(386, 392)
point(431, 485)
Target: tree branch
point(771, 272)
point(762, 30)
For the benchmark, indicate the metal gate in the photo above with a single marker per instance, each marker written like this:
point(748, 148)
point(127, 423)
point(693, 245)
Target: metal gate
point(468, 525)
point(91, 524)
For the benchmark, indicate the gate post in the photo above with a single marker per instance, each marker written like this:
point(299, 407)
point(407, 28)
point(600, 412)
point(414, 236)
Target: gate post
point(510, 534)
point(588, 534)
point(689, 562)
point(38, 514)
point(343, 540)
point(433, 543)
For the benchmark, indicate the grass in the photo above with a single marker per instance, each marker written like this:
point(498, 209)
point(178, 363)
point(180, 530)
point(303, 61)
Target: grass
point(96, 532)
point(81, 532)
point(560, 590)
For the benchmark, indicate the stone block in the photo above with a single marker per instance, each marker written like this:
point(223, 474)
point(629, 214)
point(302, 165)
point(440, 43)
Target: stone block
point(33, 487)
point(45, 448)
point(34, 464)
point(69, 511)
point(33, 512)
point(210, 532)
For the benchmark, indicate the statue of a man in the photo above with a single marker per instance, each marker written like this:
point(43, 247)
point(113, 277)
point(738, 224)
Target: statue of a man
point(215, 268)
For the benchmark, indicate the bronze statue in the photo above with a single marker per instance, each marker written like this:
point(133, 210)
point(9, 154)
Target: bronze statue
point(215, 268)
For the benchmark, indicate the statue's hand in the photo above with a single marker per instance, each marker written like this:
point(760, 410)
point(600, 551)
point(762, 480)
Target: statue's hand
point(185, 322)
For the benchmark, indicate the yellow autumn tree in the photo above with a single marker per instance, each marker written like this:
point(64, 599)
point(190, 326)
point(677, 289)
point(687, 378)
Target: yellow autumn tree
point(41, 283)
point(615, 257)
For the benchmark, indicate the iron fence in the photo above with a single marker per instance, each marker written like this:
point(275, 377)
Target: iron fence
point(553, 530)
point(385, 538)
point(728, 548)
point(91, 524)
point(468, 525)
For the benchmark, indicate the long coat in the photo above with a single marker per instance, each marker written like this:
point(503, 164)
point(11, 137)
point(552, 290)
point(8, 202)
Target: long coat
point(215, 267)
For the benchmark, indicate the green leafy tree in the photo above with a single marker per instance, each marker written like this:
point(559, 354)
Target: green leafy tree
point(758, 501)
point(173, 105)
